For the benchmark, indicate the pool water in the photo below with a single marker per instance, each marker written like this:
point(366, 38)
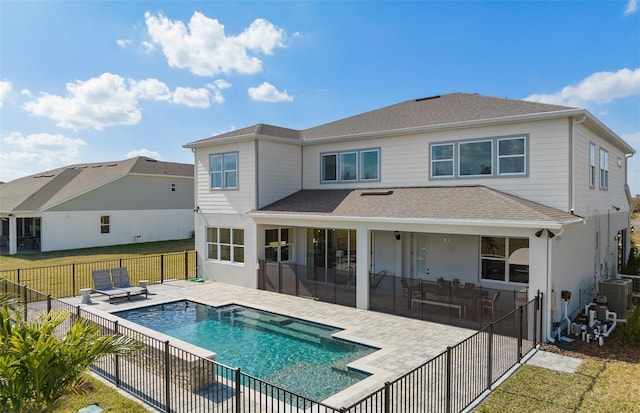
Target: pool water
point(294, 354)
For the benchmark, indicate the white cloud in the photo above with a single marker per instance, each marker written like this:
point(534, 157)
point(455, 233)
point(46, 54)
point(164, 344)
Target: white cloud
point(108, 100)
point(5, 90)
point(26, 93)
point(215, 87)
point(203, 48)
point(148, 47)
point(144, 152)
point(123, 43)
point(600, 87)
point(23, 155)
point(632, 7)
point(266, 92)
point(194, 98)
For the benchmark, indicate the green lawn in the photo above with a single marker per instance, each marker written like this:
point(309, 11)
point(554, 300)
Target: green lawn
point(105, 396)
point(597, 387)
point(47, 259)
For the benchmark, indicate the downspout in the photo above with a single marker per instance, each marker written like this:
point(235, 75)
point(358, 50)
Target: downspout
point(572, 189)
point(257, 172)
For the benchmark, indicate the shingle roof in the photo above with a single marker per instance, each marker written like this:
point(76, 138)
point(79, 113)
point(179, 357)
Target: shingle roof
point(438, 110)
point(45, 189)
point(445, 203)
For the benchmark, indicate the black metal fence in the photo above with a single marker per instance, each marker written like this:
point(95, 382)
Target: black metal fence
point(175, 380)
point(67, 280)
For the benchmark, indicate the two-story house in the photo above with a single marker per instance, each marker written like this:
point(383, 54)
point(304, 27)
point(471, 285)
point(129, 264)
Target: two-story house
point(497, 192)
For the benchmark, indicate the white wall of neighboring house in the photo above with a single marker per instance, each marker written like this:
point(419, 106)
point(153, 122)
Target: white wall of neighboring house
point(79, 229)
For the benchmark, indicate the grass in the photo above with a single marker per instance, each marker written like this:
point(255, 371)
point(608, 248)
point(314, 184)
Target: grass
point(597, 386)
point(105, 396)
point(52, 258)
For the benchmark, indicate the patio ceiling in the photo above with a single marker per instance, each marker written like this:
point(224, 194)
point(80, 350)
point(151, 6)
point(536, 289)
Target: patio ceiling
point(462, 205)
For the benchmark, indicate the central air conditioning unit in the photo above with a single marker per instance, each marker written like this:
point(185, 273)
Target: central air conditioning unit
point(618, 293)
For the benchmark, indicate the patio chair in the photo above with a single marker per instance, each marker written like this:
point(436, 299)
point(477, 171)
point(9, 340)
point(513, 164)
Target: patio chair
point(121, 280)
point(490, 304)
point(102, 285)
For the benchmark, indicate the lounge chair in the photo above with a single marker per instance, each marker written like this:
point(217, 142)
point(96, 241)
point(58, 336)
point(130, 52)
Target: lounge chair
point(120, 278)
point(102, 285)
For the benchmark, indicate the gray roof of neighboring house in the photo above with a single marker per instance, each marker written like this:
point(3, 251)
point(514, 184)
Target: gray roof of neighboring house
point(433, 203)
point(438, 110)
point(43, 190)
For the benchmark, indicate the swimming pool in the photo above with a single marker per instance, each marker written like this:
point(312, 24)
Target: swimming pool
point(294, 354)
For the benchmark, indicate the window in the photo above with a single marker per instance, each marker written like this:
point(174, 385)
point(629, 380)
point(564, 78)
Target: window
point(491, 157)
point(505, 259)
point(225, 244)
point(350, 166)
point(223, 168)
point(104, 224)
point(511, 156)
point(604, 169)
point(475, 158)
point(173, 188)
point(369, 165)
point(592, 165)
point(278, 245)
point(442, 160)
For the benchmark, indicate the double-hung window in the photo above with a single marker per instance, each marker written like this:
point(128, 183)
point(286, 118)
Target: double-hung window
point(350, 166)
point(225, 244)
point(604, 169)
point(592, 165)
point(223, 168)
point(488, 157)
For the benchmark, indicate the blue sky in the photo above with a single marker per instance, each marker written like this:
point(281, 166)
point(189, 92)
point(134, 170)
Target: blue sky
point(101, 81)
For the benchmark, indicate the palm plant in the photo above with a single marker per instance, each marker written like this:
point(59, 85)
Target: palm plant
point(37, 367)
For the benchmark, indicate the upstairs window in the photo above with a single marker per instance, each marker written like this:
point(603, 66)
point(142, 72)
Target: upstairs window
point(223, 168)
point(491, 157)
point(604, 169)
point(350, 166)
point(442, 160)
point(592, 165)
point(172, 188)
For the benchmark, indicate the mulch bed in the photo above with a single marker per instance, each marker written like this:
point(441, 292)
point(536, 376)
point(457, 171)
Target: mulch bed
point(612, 349)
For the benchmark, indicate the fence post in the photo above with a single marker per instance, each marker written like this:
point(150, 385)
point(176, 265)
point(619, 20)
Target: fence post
point(117, 366)
point(535, 321)
point(490, 357)
point(161, 268)
point(541, 295)
point(18, 276)
point(387, 397)
point(448, 384)
point(186, 265)
point(238, 399)
point(24, 300)
point(48, 303)
point(167, 377)
point(520, 324)
point(73, 279)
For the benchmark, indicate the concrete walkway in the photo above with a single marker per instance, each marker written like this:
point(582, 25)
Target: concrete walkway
point(555, 361)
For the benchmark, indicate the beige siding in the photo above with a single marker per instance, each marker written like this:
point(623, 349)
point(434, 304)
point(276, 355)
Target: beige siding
point(404, 161)
point(233, 201)
point(279, 171)
point(135, 193)
point(590, 201)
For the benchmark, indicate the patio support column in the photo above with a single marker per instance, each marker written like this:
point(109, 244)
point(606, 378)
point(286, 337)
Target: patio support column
point(363, 245)
point(13, 235)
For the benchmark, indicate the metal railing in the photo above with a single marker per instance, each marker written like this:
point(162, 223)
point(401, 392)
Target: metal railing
point(67, 280)
point(175, 380)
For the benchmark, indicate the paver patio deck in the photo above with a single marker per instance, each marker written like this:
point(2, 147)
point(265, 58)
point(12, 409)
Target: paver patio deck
point(404, 343)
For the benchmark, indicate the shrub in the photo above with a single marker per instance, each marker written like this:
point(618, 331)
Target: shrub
point(630, 331)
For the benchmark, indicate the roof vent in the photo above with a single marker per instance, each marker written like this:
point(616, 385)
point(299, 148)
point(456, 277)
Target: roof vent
point(370, 193)
point(428, 98)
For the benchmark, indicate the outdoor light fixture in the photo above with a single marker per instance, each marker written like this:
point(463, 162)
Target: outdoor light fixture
point(615, 207)
point(397, 234)
point(550, 234)
point(539, 233)
point(196, 209)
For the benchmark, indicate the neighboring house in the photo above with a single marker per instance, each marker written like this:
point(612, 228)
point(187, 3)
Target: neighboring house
point(97, 204)
point(447, 186)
